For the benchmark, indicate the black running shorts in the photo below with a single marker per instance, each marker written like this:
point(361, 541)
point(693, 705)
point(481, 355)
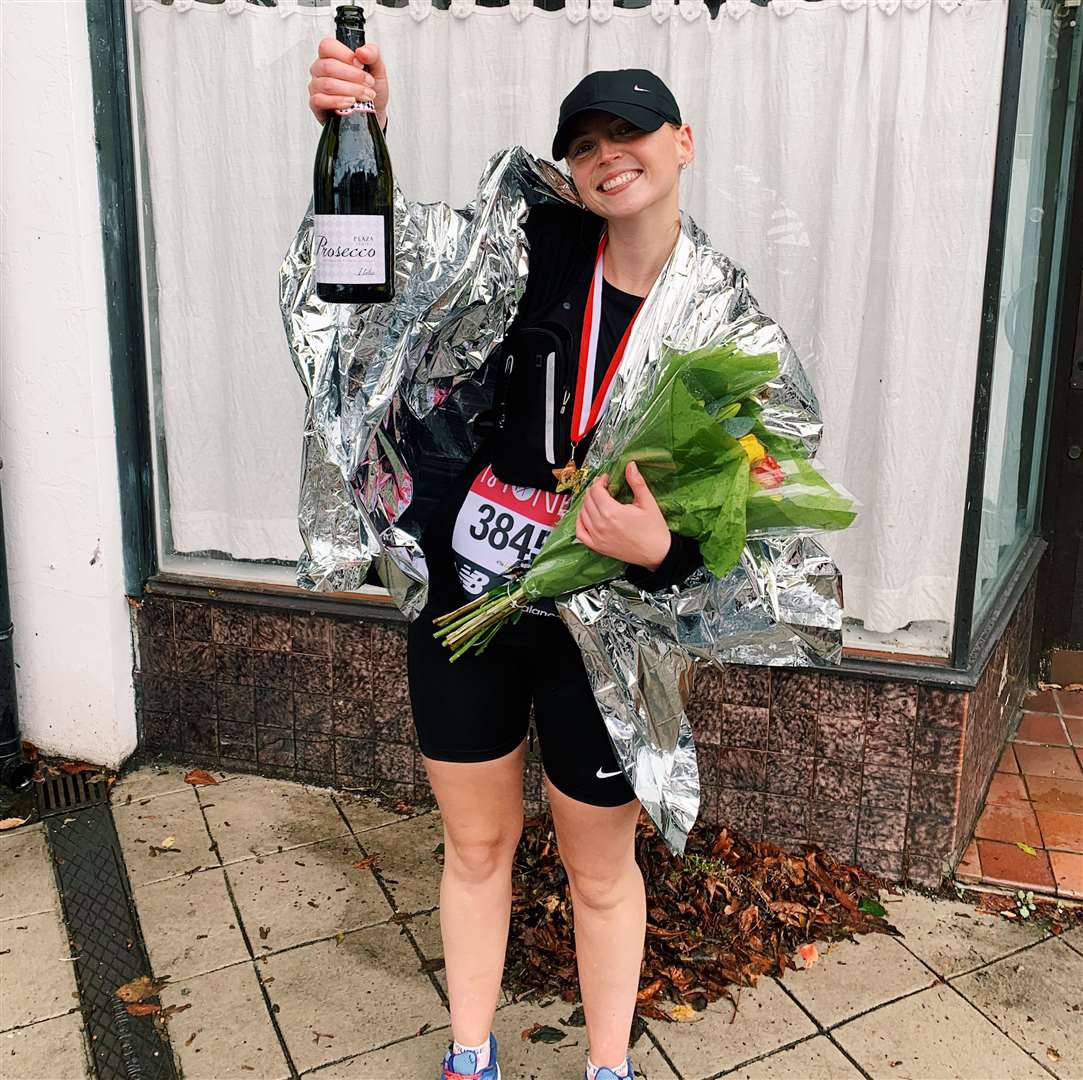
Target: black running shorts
point(477, 709)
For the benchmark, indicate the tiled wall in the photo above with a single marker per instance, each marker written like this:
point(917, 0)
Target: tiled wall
point(887, 774)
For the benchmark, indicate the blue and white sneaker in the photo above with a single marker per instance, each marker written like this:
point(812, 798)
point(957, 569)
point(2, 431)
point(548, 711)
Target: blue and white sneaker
point(608, 1074)
point(464, 1066)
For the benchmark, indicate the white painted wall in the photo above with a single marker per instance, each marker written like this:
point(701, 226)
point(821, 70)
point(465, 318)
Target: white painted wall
point(61, 500)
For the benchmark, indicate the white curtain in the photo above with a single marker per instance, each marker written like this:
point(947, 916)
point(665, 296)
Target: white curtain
point(844, 157)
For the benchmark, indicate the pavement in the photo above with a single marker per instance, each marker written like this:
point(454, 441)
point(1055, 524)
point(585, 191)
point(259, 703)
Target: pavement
point(292, 961)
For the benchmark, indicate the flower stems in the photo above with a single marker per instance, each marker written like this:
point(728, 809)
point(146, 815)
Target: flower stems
point(474, 624)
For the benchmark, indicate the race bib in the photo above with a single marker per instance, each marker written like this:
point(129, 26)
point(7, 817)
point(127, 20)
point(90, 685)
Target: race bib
point(500, 527)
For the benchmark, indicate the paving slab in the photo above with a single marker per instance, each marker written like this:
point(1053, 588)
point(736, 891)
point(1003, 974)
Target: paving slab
point(364, 814)
point(717, 1040)
point(520, 1059)
point(27, 885)
point(336, 999)
point(853, 977)
point(35, 957)
point(934, 1034)
point(227, 1033)
point(51, 1050)
point(1037, 998)
point(306, 893)
point(406, 861)
point(150, 781)
point(144, 829)
point(189, 924)
point(814, 1059)
point(256, 816)
point(953, 937)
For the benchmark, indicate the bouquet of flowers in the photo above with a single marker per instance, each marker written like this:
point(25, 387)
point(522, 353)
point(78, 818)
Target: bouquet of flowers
point(717, 474)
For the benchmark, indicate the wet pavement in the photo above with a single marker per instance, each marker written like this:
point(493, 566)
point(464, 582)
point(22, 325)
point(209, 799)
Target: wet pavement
point(289, 952)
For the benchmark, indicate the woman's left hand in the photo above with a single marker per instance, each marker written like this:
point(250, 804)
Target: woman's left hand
point(634, 532)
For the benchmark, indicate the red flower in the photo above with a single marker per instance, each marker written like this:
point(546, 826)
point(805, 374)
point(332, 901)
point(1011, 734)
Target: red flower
point(767, 473)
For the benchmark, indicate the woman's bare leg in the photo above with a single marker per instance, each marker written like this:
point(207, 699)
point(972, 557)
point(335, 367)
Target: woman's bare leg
point(482, 808)
point(597, 847)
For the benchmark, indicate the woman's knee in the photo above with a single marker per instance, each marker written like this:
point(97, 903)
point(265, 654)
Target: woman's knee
point(604, 887)
point(478, 854)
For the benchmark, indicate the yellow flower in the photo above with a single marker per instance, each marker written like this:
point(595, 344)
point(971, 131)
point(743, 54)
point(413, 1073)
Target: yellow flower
point(753, 448)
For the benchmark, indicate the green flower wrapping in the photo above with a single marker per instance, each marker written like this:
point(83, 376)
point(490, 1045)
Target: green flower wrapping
point(715, 471)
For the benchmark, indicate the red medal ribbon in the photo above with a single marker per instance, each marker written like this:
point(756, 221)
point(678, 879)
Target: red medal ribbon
point(588, 351)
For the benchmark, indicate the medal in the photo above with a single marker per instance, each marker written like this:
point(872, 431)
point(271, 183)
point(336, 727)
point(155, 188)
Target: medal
point(571, 478)
point(589, 406)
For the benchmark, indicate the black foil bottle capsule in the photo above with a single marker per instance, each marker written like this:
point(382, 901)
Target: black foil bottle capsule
point(353, 239)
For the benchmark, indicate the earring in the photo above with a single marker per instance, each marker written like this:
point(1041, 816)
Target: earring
point(684, 165)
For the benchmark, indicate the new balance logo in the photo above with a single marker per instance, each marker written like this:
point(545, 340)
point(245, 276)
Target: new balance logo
point(602, 775)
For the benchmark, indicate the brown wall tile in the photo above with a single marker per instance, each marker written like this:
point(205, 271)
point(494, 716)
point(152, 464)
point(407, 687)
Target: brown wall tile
point(745, 726)
point(195, 659)
point(786, 817)
point(836, 780)
point(231, 626)
point(352, 718)
point(237, 703)
point(192, 620)
point(843, 695)
point(271, 630)
point(741, 811)
point(310, 673)
point(748, 686)
point(881, 828)
point(311, 634)
point(793, 730)
point(840, 738)
point(794, 692)
point(742, 769)
point(274, 708)
point(789, 772)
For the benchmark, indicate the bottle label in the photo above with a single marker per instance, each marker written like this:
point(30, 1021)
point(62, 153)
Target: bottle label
point(349, 249)
point(357, 106)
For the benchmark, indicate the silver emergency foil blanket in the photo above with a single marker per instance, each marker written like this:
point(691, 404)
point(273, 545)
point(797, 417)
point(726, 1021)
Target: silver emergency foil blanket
point(388, 382)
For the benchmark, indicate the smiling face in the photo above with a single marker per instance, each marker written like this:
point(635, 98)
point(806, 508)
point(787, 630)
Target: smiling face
point(621, 170)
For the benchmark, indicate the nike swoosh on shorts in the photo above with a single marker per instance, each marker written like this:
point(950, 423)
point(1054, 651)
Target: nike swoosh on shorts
point(602, 775)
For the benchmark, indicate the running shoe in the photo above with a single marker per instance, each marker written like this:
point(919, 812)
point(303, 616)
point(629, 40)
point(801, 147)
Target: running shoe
point(608, 1074)
point(464, 1066)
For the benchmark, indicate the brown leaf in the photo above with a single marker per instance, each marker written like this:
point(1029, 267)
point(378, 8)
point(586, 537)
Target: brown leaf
point(12, 822)
point(682, 1013)
point(809, 954)
point(365, 863)
point(74, 767)
point(141, 987)
point(143, 1009)
point(199, 776)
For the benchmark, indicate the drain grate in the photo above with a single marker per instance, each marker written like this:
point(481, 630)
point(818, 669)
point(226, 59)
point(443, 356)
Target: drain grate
point(103, 927)
point(59, 794)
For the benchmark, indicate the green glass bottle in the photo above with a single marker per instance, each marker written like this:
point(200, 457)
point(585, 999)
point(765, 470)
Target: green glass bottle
point(354, 222)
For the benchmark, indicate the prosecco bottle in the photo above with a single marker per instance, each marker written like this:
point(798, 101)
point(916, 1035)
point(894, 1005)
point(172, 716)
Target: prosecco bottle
point(353, 197)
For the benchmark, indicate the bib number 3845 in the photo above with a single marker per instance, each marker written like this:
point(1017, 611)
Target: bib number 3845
point(501, 526)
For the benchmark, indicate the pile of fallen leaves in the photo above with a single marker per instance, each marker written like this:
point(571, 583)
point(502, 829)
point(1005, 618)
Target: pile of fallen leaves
point(727, 913)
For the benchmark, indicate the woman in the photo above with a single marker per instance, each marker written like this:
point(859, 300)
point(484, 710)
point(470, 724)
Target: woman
point(624, 143)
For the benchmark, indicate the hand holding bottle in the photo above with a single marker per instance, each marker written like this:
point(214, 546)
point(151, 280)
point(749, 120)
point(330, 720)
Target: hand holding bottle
point(341, 76)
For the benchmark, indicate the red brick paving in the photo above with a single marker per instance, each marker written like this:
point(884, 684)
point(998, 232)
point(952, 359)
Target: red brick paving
point(1035, 803)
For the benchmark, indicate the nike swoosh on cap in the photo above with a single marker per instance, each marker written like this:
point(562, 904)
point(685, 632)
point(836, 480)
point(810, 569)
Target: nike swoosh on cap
point(641, 89)
point(602, 775)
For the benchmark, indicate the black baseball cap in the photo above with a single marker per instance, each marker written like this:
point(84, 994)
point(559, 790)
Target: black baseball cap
point(634, 94)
